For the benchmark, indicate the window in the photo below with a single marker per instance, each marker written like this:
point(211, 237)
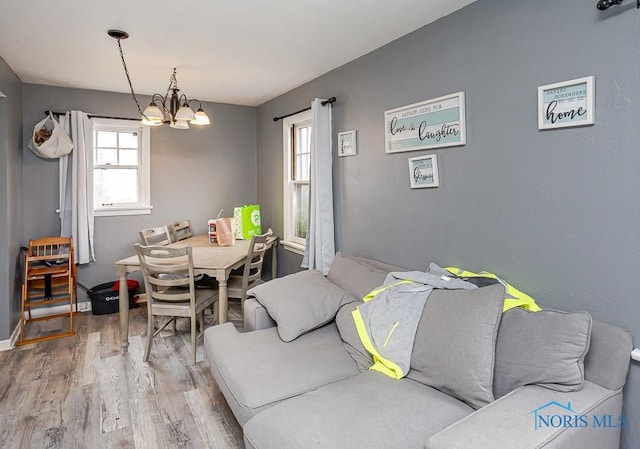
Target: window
point(297, 162)
point(121, 160)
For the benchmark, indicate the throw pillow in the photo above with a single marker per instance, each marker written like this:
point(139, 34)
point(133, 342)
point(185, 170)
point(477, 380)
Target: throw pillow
point(300, 302)
point(350, 338)
point(455, 343)
point(545, 348)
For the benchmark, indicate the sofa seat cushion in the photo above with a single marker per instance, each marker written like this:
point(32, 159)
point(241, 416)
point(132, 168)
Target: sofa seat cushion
point(257, 369)
point(367, 411)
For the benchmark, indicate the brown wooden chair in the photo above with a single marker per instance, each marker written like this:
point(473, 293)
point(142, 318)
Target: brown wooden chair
point(155, 236)
point(49, 279)
point(180, 230)
point(171, 291)
point(237, 286)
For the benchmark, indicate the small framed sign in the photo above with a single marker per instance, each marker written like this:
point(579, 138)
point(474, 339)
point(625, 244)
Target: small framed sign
point(423, 171)
point(434, 123)
point(569, 103)
point(347, 143)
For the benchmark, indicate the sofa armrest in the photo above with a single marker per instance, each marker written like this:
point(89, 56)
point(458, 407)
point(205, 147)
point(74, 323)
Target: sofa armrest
point(521, 420)
point(256, 316)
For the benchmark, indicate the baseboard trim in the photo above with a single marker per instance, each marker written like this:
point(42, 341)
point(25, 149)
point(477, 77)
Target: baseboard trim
point(10, 343)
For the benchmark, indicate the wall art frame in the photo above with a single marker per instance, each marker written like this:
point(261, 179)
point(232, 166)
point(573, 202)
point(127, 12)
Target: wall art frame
point(435, 123)
point(347, 143)
point(567, 104)
point(423, 171)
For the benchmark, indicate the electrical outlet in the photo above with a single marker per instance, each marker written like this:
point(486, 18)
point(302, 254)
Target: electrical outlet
point(83, 306)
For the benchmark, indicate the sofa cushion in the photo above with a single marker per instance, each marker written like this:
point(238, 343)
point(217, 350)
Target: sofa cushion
point(358, 275)
point(257, 369)
point(350, 337)
point(455, 343)
point(545, 348)
point(300, 302)
point(366, 411)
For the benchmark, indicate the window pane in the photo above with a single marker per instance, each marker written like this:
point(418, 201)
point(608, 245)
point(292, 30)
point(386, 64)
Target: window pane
point(107, 139)
point(301, 152)
point(115, 186)
point(128, 140)
point(106, 156)
point(301, 210)
point(302, 167)
point(129, 157)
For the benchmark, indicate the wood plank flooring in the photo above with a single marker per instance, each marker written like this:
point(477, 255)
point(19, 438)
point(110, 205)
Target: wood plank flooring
point(81, 392)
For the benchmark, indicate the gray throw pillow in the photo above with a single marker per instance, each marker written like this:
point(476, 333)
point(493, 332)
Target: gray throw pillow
point(350, 338)
point(455, 343)
point(545, 348)
point(300, 302)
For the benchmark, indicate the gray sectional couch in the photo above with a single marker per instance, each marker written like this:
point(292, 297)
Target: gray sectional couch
point(479, 378)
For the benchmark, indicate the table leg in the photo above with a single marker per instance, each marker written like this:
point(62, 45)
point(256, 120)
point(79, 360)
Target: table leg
point(274, 260)
point(124, 313)
point(223, 300)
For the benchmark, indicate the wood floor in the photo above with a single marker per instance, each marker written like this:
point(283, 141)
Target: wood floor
point(81, 392)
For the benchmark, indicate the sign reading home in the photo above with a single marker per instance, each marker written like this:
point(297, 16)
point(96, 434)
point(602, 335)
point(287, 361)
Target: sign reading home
point(569, 103)
point(429, 124)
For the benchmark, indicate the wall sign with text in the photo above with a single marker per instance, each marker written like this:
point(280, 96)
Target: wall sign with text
point(423, 171)
point(429, 124)
point(569, 103)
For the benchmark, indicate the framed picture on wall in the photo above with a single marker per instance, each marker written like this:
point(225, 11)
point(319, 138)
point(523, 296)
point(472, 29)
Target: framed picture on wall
point(434, 123)
point(347, 143)
point(569, 103)
point(423, 171)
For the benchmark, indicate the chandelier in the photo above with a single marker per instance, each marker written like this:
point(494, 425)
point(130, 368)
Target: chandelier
point(171, 108)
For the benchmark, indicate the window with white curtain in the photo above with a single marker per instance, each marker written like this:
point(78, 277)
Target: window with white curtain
point(297, 158)
point(121, 172)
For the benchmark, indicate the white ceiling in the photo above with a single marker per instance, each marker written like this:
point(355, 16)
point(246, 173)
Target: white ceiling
point(239, 52)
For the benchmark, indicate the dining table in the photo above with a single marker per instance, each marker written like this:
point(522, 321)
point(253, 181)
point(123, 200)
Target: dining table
point(208, 258)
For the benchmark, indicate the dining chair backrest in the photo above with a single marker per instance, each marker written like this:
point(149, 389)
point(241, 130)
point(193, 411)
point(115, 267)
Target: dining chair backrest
point(252, 273)
point(159, 236)
point(180, 230)
point(167, 273)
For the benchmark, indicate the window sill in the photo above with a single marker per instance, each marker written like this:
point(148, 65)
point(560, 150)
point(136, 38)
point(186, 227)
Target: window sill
point(117, 211)
point(293, 247)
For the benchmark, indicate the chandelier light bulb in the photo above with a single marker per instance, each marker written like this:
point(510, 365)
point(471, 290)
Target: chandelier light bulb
point(201, 118)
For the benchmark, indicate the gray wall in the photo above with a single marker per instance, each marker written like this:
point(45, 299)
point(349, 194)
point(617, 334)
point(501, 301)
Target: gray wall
point(194, 173)
point(10, 197)
point(555, 212)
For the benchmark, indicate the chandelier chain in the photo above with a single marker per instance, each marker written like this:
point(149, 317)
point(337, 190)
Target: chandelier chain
point(126, 72)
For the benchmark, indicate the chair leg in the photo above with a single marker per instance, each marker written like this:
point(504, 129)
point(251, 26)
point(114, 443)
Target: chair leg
point(150, 333)
point(193, 339)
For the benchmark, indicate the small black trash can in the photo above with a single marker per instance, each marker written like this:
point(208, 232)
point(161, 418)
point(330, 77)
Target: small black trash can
point(105, 298)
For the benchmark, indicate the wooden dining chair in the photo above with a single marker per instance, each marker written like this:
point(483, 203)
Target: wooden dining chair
point(49, 278)
point(171, 292)
point(237, 286)
point(156, 236)
point(180, 230)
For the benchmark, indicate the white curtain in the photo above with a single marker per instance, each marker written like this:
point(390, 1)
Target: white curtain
point(76, 186)
point(320, 248)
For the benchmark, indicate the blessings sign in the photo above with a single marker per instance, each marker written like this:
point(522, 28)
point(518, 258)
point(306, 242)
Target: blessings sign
point(429, 124)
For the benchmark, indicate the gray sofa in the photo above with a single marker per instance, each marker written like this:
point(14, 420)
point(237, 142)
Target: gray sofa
point(315, 389)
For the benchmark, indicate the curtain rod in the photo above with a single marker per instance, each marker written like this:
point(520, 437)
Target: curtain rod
point(94, 116)
point(323, 103)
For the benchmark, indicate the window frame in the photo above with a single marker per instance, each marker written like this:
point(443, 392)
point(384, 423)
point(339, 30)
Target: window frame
point(143, 206)
point(290, 241)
